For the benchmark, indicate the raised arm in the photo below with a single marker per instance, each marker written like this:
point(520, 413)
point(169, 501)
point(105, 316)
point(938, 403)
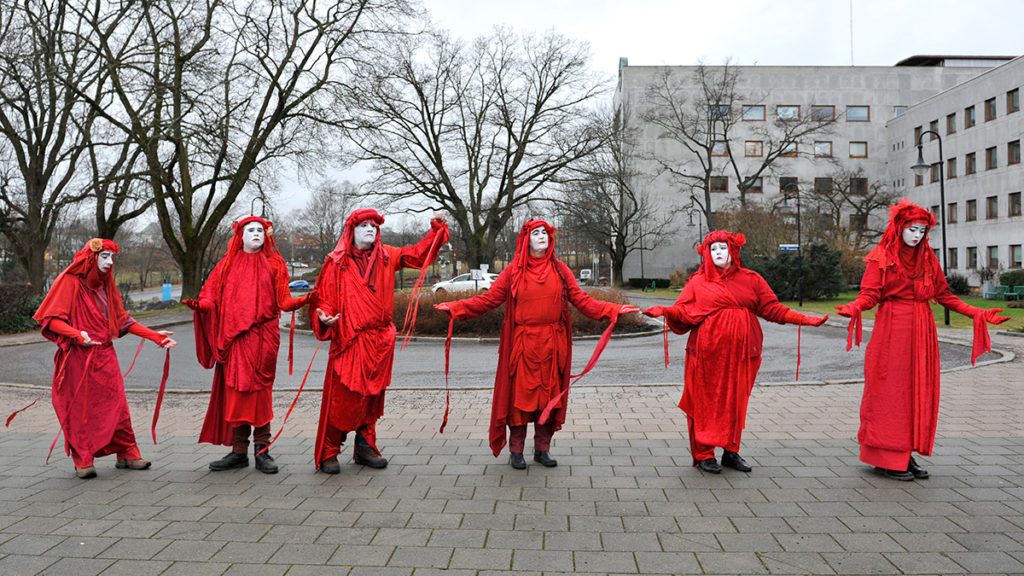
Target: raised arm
point(425, 251)
point(481, 303)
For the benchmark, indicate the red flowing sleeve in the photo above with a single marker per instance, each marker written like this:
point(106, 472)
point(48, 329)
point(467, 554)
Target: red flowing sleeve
point(587, 305)
point(326, 290)
point(477, 305)
point(676, 317)
point(425, 251)
point(147, 333)
point(62, 328)
point(285, 301)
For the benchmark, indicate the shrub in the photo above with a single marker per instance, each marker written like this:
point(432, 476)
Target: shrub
point(641, 282)
point(433, 322)
point(1012, 278)
point(679, 277)
point(18, 302)
point(822, 277)
point(958, 284)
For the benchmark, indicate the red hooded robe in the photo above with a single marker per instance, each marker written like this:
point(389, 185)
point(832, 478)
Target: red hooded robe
point(359, 286)
point(237, 333)
point(88, 389)
point(719, 308)
point(900, 405)
point(535, 350)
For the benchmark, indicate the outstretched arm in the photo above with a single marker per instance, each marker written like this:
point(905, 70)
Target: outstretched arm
point(424, 252)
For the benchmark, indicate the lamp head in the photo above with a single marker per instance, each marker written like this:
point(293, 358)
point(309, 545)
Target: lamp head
point(920, 167)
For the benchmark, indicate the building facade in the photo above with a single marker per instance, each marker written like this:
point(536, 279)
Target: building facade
point(873, 112)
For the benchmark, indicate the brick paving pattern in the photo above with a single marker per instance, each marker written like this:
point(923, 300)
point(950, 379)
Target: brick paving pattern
point(623, 499)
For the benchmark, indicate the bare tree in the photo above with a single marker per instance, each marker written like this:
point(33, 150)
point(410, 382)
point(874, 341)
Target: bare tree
point(701, 114)
point(325, 213)
point(606, 202)
point(40, 142)
point(475, 129)
point(217, 94)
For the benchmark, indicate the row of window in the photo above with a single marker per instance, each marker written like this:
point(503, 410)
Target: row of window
point(991, 252)
point(793, 113)
point(971, 162)
point(822, 149)
point(790, 184)
point(989, 107)
point(1013, 208)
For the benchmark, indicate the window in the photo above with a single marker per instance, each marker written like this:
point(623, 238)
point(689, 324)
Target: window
point(991, 158)
point(951, 123)
point(918, 180)
point(859, 222)
point(719, 148)
point(753, 112)
point(788, 113)
point(968, 116)
point(917, 134)
point(858, 113)
point(1013, 152)
point(858, 149)
point(990, 109)
point(858, 186)
point(1015, 256)
point(822, 149)
point(823, 185)
point(898, 110)
point(823, 113)
point(756, 185)
point(936, 171)
point(753, 148)
point(788, 150)
point(934, 127)
point(935, 210)
point(972, 257)
point(951, 213)
point(972, 210)
point(788, 185)
point(719, 183)
point(1013, 209)
point(971, 164)
point(992, 207)
point(993, 256)
point(954, 261)
point(1013, 101)
point(951, 168)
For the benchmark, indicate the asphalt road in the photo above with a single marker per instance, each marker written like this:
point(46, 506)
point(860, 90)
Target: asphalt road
point(637, 360)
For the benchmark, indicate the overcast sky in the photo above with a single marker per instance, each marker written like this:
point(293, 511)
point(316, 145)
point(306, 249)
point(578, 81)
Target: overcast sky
point(749, 32)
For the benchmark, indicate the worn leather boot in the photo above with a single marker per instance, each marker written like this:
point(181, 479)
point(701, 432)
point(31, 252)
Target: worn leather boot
point(264, 462)
point(901, 475)
point(367, 456)
point(915, 469)
point(330, 465)
point(710, 466)
point(517, 461)
point(735, 461)
point(544, 458)
point(229, 462)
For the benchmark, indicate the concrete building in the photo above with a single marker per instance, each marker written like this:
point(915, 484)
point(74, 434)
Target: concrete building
point(980, 127)
point(875, 111)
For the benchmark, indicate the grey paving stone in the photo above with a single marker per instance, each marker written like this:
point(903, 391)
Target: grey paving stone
point(77, 566)
point(25, 564)
point(136, 568)
point(668, 563)
point(987, 562)
point(542, 560)
point(189, 551)
point(808, 542)
point(135, 548)
point(481, 558)
point(731, 563)
point(795, 563)
point(421, 556)
point(299, 554)
point(605, 562)
point(246, 552)
point(923, 563)
point(859, 563)
point(515, 540)
point(750, 542)
point(361, 555)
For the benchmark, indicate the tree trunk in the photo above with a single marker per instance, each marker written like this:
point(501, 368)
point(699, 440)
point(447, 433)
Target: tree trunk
point(35, 265)
point(191, 264)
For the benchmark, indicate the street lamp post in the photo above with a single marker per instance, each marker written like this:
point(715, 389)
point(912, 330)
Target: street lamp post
point(794, 189)
point(921, 169)
point(638, 230)
point(700, 224)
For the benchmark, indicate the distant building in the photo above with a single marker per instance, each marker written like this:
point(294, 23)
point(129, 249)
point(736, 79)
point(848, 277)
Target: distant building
point(877, 109)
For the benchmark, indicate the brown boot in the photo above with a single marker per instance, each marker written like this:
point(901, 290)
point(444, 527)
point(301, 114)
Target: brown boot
point(367, 456)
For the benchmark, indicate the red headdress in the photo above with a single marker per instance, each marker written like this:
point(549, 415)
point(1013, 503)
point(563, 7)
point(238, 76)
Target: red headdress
point(891, 251)
point(270, 250)
point(61, 297)
point(344, 245)
point(523, 263)
point(734, 241)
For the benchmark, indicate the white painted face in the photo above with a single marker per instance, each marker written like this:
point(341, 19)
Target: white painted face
point(720, 254)
point(913, 234)
point(253, 236)
point(364, 234)
point(105, 261)
point(538, 240)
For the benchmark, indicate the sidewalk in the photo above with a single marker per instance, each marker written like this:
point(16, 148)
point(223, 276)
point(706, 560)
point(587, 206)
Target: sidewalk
point(623, 500)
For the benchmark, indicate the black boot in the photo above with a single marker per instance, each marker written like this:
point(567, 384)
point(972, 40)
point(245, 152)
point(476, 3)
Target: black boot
point(735, 461)
point(710, 466)
point(915, 469)
point(544, 458)
point(231, 461)
point(264, 462)
point(517, 461)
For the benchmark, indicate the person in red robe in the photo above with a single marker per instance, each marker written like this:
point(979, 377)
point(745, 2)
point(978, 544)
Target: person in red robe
point(900, 406)
point(83, 313)
point(535, 349)
point(719, 306)
point(353, 308)
point(237, 334)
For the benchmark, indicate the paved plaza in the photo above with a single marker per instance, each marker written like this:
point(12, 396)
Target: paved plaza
point(623, 499)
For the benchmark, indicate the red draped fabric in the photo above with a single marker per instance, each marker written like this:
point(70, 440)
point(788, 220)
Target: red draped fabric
point(359, 287)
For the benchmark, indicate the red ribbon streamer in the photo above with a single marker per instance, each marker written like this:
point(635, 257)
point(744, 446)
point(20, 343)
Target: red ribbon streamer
point(160, 394)
point(137, 351)
point(798, 327)
point(52, 444)
point(664, 332)
point(414, 301)
point(291, 344)
point(854, 330)
point(605, 337)
point(16, 412)
point(982, 340)
point(447, 390)
point(292, 407)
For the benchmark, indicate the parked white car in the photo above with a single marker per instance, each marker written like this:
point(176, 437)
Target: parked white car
point(464, 282)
